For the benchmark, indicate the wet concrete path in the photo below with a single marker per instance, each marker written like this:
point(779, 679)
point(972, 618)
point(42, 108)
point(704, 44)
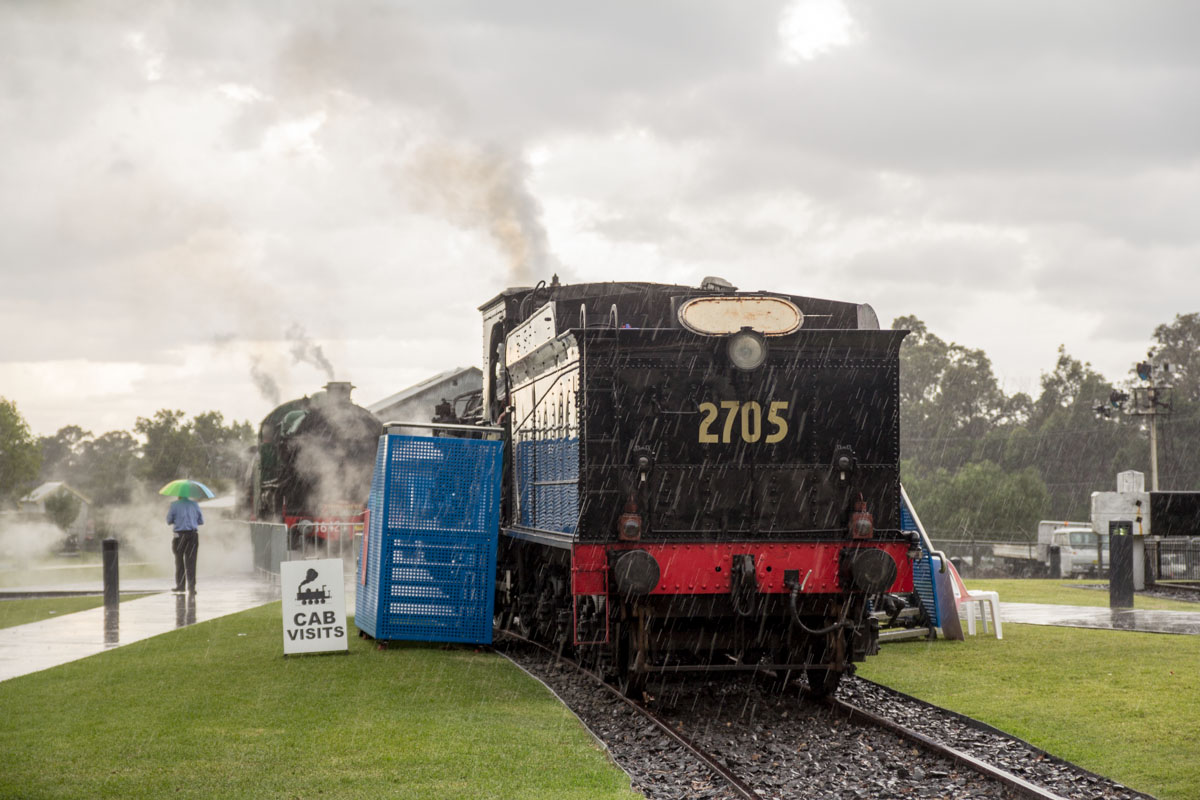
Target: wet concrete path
point(48, 643)
point(1146, 621)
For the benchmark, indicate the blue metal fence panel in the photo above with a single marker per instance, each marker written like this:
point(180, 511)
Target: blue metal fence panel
point(923, 581)
point(431, 554)
point(366, 602)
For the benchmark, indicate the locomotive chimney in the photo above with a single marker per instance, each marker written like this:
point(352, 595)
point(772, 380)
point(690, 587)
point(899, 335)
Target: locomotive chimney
point(338, 392)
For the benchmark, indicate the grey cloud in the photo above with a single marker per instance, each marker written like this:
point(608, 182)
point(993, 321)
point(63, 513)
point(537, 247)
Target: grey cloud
point(645, 229)
point(958, 37)
point(959, 262)
point(1144, 207)
point(1061, 138)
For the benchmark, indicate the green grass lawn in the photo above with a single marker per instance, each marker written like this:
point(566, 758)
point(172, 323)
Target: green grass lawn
point(1063, 592)
point(1124, 705)
point(20, 610)
point(216, 710)
point(83, 571)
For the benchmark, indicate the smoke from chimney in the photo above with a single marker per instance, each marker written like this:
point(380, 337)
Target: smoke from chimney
point(265, 384)
point(304, 351)
point(484, 189)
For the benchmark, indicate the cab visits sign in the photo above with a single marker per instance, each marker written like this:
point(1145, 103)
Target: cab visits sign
point(314, 606)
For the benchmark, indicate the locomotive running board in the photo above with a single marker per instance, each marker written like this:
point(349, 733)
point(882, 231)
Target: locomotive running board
point(563, 541)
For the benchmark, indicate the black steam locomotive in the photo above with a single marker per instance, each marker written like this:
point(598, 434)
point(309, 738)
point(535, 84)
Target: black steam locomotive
point(312, 466)
point(696, 478)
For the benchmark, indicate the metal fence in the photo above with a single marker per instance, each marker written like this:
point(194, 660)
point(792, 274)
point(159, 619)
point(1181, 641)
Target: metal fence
point(1173, 559)
point(1166, 558)
point(272, 543)
point(977, 557)
point(325, 539)
point(268, 541)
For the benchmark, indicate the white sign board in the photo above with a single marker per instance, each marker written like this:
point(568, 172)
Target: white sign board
point(314, 606)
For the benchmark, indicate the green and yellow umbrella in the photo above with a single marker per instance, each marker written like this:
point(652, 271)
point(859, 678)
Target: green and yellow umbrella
point(186, 488)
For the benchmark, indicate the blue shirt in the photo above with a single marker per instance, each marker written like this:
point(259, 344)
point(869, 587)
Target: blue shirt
point(184, 515)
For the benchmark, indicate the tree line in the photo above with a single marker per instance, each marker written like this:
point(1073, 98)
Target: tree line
point(115, 467)
point(980, 464)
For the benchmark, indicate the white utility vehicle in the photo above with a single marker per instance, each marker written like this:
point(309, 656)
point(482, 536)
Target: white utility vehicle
point(1062, 550)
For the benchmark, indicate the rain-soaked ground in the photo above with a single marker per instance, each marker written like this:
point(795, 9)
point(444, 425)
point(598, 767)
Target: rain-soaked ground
point(1124, 619)
point(47, 643)
point(40, 645)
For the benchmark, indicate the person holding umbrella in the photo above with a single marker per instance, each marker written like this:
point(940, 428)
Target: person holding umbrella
point(185, 518)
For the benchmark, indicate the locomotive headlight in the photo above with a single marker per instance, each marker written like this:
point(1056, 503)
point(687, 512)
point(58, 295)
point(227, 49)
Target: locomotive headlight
point(629, 527)
point(747, 349)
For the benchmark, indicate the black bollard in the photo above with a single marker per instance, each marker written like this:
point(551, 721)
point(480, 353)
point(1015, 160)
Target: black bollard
point(1120, 571)
point(112, 590)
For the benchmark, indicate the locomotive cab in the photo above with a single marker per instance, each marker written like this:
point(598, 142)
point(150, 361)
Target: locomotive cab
point(700, 479)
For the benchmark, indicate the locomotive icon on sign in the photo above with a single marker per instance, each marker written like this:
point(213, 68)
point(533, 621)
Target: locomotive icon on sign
point(309, 597)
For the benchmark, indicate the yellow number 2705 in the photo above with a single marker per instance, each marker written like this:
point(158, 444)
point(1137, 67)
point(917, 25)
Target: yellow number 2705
point(750, 416)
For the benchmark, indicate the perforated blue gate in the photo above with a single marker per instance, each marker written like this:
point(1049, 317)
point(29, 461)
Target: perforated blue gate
point(427, 569)
point(923, 582)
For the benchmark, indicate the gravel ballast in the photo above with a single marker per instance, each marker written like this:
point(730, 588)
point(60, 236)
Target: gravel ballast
point(787, 746)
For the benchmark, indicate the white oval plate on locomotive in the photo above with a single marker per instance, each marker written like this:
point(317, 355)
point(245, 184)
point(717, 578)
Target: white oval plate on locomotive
point(718, 316)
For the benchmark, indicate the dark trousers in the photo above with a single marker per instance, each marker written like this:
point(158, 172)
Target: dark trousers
point(184, 546)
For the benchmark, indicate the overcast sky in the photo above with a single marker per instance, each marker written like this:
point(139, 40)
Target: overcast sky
point(202, 199)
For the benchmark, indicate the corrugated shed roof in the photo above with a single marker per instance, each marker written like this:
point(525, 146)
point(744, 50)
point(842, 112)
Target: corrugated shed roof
point(418, 388)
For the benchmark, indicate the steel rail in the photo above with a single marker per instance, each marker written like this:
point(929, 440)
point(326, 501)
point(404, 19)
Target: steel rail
point(1027, 789)
point(847, 710)
point(735, 783)
point(1193, 587)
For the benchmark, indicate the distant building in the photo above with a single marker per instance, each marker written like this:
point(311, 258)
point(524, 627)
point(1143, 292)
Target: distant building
point(34, 504)
point(418, 403)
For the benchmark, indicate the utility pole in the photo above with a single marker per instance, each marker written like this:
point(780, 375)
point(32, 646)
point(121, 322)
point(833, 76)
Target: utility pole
point(1151, 400)
point(1154, 452)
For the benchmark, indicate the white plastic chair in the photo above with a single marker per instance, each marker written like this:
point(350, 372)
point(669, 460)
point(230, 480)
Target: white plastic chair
point(971, 599)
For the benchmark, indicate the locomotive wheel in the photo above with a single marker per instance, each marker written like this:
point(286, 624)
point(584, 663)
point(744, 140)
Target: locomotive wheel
point(544, 623)
point(630, 655)
point(631, 682)
point(507, 609)
point(590, 630)
point(523, 598)
point(502, 616)
point(821, 681)
point(525, 624)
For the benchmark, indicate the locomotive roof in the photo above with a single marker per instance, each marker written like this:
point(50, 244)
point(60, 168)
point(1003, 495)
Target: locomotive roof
point(579, 291)
point(575, 291)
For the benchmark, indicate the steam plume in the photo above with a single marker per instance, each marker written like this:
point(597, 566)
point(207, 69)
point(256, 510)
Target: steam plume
point(306, 352)
point(485, 189)
point(263, 382)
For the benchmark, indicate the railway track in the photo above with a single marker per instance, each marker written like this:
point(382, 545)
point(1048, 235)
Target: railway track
point(750, 776)
point(1190, 589)
point(736, 785)
point(1023, 787)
